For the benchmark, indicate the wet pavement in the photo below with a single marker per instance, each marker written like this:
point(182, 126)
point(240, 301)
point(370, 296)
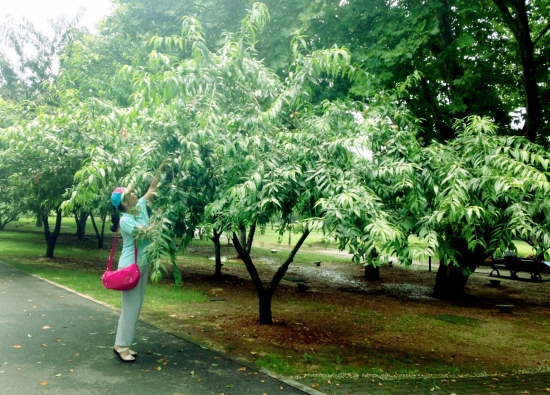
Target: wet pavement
point(53, 340)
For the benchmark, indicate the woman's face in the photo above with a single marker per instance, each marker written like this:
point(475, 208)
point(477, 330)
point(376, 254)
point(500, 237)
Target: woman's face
point(131, 199)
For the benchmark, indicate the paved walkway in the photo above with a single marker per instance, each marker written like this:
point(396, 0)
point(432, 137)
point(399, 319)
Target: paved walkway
point(53, 340)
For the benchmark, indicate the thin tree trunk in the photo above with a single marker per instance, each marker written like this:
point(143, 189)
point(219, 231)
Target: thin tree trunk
point(250, 238)
point(103, 218)
point(51, 237)
point(9, 218)
point(97, 234)
point(242, 236)
point(80, 219)
point(217, 254)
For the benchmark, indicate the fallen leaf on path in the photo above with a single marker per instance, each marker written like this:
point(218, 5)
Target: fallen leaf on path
point(43, 383)
point(17, 346)
point(242, 369)
point(45, 327)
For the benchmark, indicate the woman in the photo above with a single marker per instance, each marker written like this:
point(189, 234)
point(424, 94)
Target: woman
point(134, 218)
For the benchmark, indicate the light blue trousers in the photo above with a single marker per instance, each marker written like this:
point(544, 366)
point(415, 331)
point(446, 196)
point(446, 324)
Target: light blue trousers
point(132, 301)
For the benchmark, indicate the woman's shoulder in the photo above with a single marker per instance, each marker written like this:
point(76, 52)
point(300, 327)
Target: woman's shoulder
point(127, 219)
point(142, 201)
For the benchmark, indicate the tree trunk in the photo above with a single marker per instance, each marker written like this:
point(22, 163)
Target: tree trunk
point(265, 298)
point(265, 295)
point(250, 239)
point(80, 219)
point(51, 237)
point(39, 220)
point(451, 280)
point(9, 218)
point(97, 234)
point(217, 254)
point(242, 236)
point(372, 273)
point(518, 23)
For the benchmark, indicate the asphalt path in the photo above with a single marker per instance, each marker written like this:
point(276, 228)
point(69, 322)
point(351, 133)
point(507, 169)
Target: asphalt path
point(55, 341)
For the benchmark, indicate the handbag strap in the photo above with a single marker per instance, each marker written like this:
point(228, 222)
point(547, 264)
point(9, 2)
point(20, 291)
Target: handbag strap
point(113, 248)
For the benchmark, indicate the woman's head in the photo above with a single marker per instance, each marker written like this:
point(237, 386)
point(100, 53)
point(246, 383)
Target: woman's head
point(124, 198)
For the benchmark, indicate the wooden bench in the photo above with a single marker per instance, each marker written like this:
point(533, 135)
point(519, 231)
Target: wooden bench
point(515, 265)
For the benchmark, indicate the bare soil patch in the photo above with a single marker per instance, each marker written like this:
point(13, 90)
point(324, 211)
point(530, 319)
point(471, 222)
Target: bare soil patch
point(343, 323)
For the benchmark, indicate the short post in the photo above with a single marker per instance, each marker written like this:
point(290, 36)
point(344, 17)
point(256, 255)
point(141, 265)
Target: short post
point(429, 263)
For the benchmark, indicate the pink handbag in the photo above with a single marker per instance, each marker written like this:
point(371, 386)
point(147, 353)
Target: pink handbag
point(122, 279)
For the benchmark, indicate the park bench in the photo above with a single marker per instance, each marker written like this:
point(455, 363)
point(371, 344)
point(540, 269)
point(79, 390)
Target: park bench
point(515, 265)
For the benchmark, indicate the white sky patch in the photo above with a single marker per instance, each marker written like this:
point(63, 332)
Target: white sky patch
point(518, 118)
point(39, 11)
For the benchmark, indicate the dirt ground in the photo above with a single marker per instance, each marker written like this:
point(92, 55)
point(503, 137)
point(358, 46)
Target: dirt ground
point(344, 323)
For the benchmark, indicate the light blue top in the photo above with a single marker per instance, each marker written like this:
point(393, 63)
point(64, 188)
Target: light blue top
point(129, 223)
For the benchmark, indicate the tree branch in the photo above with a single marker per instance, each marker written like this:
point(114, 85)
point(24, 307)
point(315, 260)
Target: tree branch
point(284, 267)
point(507, 16)
point(542, 34)
point(248, 264)
point(250, 238)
